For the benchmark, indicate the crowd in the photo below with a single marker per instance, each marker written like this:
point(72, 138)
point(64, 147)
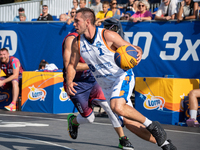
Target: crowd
point(134, 11)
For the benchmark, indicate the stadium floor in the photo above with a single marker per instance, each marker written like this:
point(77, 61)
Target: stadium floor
point(40, 131)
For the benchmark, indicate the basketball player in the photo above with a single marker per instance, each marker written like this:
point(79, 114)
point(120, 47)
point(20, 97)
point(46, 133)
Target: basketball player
point(88, 92)
point(97, 46)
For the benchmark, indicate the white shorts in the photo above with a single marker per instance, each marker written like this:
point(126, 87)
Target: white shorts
point(122, 88)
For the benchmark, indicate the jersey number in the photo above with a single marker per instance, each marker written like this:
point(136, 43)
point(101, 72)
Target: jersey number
point(100, 52)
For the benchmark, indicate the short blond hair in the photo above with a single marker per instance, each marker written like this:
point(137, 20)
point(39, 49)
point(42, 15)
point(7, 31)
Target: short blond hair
point(145, 3)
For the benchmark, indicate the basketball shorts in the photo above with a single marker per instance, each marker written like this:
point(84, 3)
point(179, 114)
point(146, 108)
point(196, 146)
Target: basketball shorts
point(87, 94)
point(122, 88)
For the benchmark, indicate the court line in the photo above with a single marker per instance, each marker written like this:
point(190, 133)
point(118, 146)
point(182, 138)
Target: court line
point(23, 137)
point(92, 123)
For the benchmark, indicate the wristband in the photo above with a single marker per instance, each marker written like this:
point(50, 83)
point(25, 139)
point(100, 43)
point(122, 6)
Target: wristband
point(183, 18)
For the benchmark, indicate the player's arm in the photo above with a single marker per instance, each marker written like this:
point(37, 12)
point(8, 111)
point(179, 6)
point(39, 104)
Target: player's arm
point(82, 66)
point(15, 67)
point(67, 50)
point(71, 68)
point(113, 39)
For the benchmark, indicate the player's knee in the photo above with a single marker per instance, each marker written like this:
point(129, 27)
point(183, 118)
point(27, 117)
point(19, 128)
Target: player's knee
point(91, 118)
point(15, 83)
point(118, 110)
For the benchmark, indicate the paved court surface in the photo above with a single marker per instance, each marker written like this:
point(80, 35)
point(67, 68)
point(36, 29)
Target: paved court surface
point(40, 131)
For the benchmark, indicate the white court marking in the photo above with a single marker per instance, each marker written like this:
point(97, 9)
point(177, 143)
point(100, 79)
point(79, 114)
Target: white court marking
point(40, 141)
point(22, 124)
point(92, 123)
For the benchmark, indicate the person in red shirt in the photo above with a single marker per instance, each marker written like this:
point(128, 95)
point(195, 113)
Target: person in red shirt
point(13, 70)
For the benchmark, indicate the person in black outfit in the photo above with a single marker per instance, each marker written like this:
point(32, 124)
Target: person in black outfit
point(45, 16)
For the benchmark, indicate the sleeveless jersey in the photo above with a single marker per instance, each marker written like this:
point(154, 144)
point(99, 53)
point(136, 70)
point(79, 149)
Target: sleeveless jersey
point(79, 74)
point(100, 59)
point(8, 68)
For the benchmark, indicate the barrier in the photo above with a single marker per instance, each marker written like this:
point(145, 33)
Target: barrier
point(169, 48)
point(162, 99)
point(44, 92)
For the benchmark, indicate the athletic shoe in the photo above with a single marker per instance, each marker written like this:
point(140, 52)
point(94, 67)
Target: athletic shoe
point(125, 144)
point(192, 122)
point(73, 129)
point(169, 146)
point(13, 108)
point(158, 132)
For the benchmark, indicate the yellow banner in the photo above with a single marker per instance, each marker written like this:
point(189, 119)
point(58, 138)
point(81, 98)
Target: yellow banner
point(165, 92)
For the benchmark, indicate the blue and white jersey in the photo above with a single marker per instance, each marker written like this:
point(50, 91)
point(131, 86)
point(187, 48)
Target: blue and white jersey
point(100, 59)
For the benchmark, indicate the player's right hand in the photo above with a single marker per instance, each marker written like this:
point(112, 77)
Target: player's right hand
point(70, 89)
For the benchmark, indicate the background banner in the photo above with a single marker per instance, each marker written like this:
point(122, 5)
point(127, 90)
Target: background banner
point(169, 48)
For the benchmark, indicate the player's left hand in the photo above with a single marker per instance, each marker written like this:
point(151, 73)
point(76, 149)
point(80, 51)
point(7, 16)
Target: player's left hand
point(139, 55)
point(70, 89)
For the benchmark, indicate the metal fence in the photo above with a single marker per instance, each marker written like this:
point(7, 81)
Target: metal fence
point(34, 8)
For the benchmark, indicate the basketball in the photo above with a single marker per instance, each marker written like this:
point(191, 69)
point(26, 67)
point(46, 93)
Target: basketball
point(126, 57)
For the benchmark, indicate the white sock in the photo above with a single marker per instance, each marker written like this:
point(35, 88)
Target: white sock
point(193, 114)
point(165, 143)
point(147, 122)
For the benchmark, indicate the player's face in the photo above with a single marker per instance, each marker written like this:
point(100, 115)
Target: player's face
point(4, 56)
point(79, 23)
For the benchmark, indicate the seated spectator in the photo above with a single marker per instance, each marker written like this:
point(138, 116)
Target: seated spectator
point(193, 105)
point(103, 15)
point(13, 70)
point(22, 17)
point(20, 10)
point(75, 6)
point(167, 10)
point(42, 64)
point(126, 16)
point(72, 16)
point(114, 9)
point(97, 6)
point(45, 16)
point(188, 10)
point(46, 67)
point(82, 4)
point(63, 17)
point(143, 12)
point(131, 6)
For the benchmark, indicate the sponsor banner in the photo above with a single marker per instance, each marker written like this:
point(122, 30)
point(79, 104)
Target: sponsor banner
point(5, 97)
point(44, 92)
point(169, 48)
point(162, 98)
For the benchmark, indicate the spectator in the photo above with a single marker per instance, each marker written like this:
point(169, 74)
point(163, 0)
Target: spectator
point(63, 17)
point(75, 4)
point(22, 17)
point(45, 16)
point(97, 6)
point(167, 10)
point(188, 10)
point(82, 4)
point(193, 105)
point(126, 16)
point(72, 16)
point(13, 70)
point(143, 12)
point(114, 9)
point(42, 64)
point(103, 15)
point(20, 10)
point(46, 67)
point(130, 6)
